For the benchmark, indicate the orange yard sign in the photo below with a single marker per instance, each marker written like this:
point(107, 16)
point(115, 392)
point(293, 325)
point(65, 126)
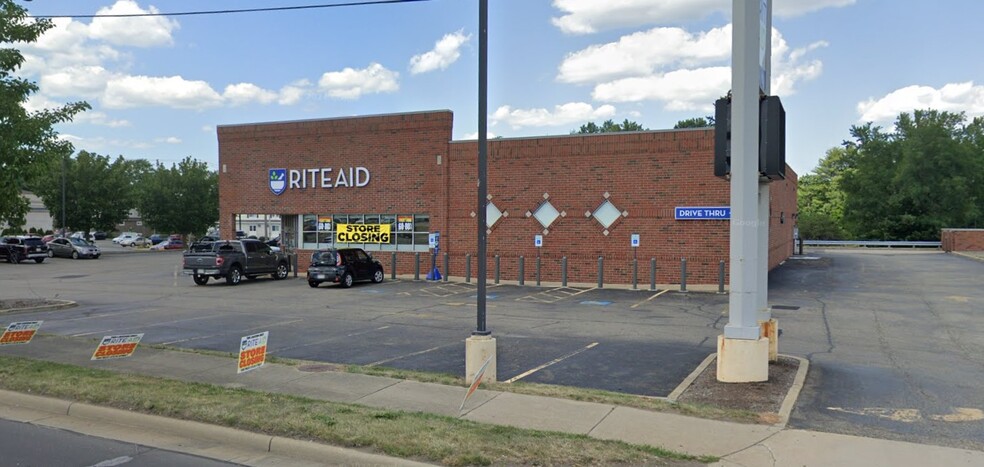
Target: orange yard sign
point(252, 351)
point(20, 333)
point(117, 346)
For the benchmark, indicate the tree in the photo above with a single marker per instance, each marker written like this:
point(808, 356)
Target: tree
point(182, 199)
point(821, 199)
point(27, 140)
point(98, 193)
point(608, 126)
point(909, 184)
point(696, 122)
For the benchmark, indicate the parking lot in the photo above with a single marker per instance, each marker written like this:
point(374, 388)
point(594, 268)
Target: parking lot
point(894, 338)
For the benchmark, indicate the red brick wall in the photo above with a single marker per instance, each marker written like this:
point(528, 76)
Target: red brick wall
point(399, 150)
point(646, 174)
point(962, 239)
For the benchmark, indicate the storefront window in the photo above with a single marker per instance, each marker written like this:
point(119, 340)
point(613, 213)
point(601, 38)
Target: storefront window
point(408, 232)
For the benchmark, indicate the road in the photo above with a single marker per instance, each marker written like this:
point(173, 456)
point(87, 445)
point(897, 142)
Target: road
point(894, 338)
point(24, 444)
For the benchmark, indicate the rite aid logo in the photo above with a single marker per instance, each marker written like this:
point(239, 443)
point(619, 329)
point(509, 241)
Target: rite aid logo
point(278, 180)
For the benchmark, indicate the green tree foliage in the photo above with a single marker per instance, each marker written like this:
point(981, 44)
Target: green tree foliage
point(909, 184)
point(27, 140)
point(821, 200)
point(99, 193)
point(182, 199)
point(608, 126)
point(696, 122)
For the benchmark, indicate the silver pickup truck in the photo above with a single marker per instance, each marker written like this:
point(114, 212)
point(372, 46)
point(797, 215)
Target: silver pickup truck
point(233, 260)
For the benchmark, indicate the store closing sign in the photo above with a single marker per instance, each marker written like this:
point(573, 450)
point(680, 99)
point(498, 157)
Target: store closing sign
point(363, 233)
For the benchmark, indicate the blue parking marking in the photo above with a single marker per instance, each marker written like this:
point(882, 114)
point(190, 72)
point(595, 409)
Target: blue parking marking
point(488, 296)
point(596, 302)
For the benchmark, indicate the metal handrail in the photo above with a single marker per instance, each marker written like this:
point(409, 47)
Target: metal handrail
point(875, 243)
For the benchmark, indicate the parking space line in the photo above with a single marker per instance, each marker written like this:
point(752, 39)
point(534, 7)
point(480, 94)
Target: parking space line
point(564, 291)
point(411, 354)
point(661, 292)
point(552, 362)
point(245, 331)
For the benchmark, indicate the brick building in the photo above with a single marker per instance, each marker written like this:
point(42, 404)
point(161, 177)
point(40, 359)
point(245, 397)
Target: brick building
point(583, 195)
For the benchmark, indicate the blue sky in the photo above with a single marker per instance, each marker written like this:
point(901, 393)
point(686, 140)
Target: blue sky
point(159, 86)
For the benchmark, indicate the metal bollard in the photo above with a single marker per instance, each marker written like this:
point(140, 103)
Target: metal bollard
point(522, 262)
point(635, 274)
point(721, 277)
point(683, 274)
point(468, 267)
point(601, 271)
point(652, 274)
point(447, 266)
point(537, 271)
point(416, 268)
point(393, 266)
point(563, 271)
point(496, 269)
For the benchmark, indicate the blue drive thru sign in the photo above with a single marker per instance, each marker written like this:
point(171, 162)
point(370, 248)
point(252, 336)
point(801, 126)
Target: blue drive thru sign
point(702, 213)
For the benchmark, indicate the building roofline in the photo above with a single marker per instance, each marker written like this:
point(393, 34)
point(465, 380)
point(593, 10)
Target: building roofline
point(328, 119)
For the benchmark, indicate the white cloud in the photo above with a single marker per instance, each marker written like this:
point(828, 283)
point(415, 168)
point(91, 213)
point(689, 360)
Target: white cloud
point(643, 52)
point(294, 92)
point(678, 90)
point(352, 84)
point(147, 31)
point(565, 114)
point(953, 97)
point(208, 128)
point(99, 118)
point(245, 93)
point(168, 140)
point(446, 51)
point(85, 81)
point(590, 16)
point(148, 91)
point(684, 88)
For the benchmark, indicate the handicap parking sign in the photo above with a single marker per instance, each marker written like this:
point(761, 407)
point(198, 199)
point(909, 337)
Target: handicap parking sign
point(538, 241)
point(635, 240)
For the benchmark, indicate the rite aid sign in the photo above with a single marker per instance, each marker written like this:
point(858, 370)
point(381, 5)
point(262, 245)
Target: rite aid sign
point(702, 213)
point(324, 177)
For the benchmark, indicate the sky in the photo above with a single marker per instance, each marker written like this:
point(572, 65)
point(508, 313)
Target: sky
point(159, 86)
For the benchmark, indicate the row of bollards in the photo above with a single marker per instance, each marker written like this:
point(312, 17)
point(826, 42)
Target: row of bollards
point(563, 271)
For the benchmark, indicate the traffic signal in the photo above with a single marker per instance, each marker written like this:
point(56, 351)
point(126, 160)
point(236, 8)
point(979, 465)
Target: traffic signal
point(772, 138)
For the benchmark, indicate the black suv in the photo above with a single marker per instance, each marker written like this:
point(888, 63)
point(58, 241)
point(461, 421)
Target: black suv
point(344, 266)
point(22, 248)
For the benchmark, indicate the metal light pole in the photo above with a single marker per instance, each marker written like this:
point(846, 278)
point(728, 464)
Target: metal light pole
point(64, 162)
point(482, 228)
point(480, 351)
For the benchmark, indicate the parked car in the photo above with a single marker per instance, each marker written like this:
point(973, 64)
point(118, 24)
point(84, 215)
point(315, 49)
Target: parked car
point(233, 260)
point(169, 244)
point(99, 235)
point(74, 248)
point(156, 238)
point(23, 248)
point(344, 266)
point(135, 242)
point(124, 235)
point(48, 238)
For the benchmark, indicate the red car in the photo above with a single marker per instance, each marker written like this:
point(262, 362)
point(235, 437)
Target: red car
point(170, 244)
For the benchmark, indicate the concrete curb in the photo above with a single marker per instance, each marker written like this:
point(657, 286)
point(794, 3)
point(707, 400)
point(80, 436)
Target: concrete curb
point(788, 402)
point(239, 439)
point(57, 306)
point(977, 256)
point(691, 378)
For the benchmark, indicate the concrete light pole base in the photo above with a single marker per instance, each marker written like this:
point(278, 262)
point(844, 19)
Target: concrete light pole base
point(770, 330)
point(742, 360)
point(478, 349)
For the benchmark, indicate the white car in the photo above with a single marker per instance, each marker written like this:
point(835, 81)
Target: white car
point(134, 241)
point(126, 236)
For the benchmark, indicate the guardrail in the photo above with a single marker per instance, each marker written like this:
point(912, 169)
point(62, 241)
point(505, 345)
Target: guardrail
point(874, 243)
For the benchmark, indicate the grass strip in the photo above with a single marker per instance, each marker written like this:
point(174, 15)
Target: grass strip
point(411, 435)
point(530, 389)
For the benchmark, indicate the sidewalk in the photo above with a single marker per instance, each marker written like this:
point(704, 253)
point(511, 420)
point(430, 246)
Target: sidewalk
point(737, 444)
